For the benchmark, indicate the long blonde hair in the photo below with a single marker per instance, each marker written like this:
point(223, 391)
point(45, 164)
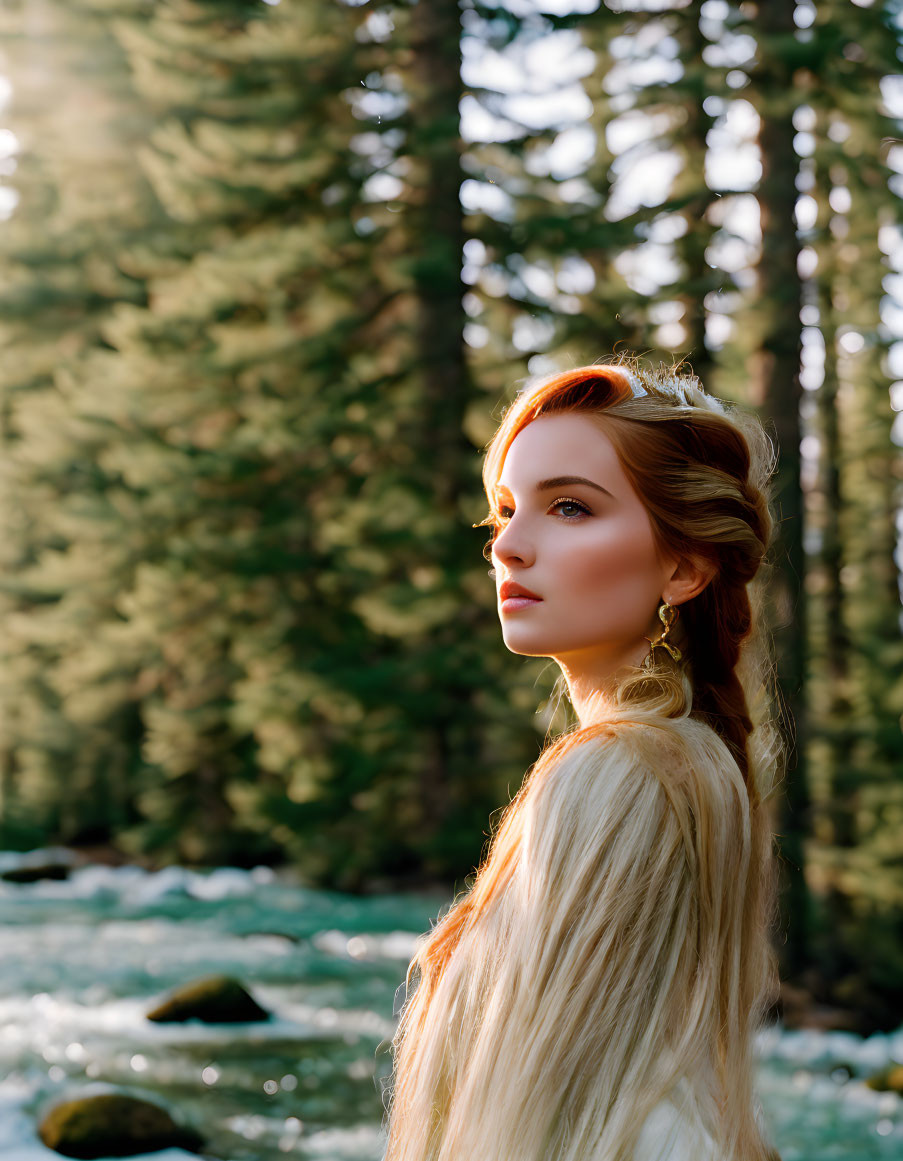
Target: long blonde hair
point(616, 937)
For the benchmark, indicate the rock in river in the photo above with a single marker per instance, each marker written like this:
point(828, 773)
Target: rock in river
point(889, 1079)
point(113, 1125)
point(214, 1000)
point(35, 872)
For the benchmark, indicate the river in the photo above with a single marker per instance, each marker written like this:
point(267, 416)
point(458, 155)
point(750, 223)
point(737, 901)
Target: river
point(83, 959)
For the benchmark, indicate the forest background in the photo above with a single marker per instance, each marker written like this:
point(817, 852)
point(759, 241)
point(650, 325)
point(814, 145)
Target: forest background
point(271, 272)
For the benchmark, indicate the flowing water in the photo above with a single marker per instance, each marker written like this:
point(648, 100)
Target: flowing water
point(83, 960)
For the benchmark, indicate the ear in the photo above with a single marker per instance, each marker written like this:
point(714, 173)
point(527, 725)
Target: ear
point(688, 579)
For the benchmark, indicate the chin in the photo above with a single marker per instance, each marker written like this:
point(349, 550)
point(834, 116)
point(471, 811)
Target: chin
point(525, 647)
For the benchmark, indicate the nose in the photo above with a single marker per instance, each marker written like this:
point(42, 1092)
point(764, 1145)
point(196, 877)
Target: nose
point(511, 545)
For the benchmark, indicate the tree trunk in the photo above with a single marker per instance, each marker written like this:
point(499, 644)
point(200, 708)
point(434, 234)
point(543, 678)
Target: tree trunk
point(777, 366)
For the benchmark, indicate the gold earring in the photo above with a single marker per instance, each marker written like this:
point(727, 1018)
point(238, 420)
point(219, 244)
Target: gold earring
point(667, 615)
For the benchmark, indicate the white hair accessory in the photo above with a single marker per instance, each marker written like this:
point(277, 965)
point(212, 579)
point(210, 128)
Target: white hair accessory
point(636, 385)
point(681, 388)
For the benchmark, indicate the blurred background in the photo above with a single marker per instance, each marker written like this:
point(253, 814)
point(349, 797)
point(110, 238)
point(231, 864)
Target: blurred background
point(270, 273)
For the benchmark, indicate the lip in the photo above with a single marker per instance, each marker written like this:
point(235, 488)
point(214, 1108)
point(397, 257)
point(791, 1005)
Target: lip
point(509, 589)
point(512, 604)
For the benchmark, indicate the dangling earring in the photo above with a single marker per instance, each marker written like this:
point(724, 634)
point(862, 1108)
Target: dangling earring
point(667, 615)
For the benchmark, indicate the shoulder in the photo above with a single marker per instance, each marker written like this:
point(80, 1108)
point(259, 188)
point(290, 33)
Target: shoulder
point(670, 1135)
point(637, 780)
point(641, 732)
point(683, 755)
point(610, 794)
point(649, 748)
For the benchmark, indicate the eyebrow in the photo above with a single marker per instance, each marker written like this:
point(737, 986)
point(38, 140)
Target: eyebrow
point(561, 481)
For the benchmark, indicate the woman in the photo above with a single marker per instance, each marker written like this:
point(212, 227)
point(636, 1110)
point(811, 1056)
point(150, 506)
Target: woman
point(595, 994)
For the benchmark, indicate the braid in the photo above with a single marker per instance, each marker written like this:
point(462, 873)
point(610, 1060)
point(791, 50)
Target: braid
point(720, 620)
point(717, 624)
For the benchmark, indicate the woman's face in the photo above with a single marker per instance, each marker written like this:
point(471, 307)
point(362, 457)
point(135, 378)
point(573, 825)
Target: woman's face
point(587, 551)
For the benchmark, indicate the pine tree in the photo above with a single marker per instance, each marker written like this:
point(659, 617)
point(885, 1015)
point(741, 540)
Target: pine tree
point(855, 854)
point(65, 744)
point(238, 418)
point(540, 256)
point(287, 465)
point(774, 91)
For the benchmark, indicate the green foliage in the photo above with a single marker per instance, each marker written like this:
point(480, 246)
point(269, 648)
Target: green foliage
point(855, 652)
point(246, 382)
point(274, 532)
point(68, 724)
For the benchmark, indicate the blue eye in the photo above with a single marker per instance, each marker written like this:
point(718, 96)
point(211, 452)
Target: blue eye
point(562, 502)
point(571, 504)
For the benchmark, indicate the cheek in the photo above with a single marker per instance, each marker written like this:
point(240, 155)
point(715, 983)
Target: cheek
point(608, 583)
point(619, 556)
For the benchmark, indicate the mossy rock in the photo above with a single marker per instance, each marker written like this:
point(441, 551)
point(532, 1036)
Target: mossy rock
point(889, 1079)
point(214, 1000)
point(113, 1125)
point(35, 873)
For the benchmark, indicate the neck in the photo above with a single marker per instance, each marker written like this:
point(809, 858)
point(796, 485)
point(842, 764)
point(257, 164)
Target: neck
point(591, 679)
